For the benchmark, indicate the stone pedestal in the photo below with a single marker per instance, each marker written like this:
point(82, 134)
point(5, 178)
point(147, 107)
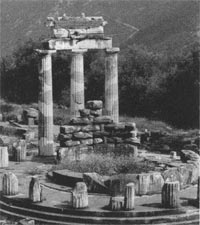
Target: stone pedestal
point(45, 124)
point(19, 151)
point(77, 96)
point(129, 198)
point(3, 156)
point(35, 190)
point(116, 203)
point(10, 184)
point(170, 195)
point(111, 84)
point(80, 196)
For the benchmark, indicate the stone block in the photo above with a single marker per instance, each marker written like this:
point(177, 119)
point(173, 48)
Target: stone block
point(19, 150)
point(102, 120)
point(87, 141)
point(97, 141)
point(80, 196)
point(10, 184)
point(1, 117)
point(116, 203)
point(110, 140)
point(117, 140)
point(130, 126)
point(29, 136)
point(95, 183)
point(173, 155)
point(132, 141)
point(170, 195)
point(82, 135)
point(115, 127)
point(187, 155)
point(35, 190)
point(67, 129)
point(95, 113)
point(172, 174)
point(80, 121)
point(31, 121)
point(194, 171)
point(150, 183)
point(71, 143)
point(26, 222)
point(64, 137)
point(100, 134)
point(4, 161)
point(129, 197)
point(84, 112)
point(90, 128)
point(94, 104)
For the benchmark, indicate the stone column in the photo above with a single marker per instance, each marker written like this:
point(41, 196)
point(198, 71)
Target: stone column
point(77, 96)
point(129, 198)
point(45, 125)
point(111, 84)
point(35, 190)
point(198, 191)
point(80, 196)
point(10, 184)
point(170, 194)
point(3, 156)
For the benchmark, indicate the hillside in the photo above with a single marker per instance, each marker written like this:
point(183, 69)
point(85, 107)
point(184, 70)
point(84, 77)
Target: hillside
point(166, 24)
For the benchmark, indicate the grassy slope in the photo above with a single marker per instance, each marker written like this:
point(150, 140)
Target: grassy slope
point(160, 23)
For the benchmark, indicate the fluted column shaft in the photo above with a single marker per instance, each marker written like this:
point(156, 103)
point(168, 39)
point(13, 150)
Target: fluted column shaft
point(77, 95)
point(129, 198)
point(170, 194)
point(45, 126)
point(111, 84)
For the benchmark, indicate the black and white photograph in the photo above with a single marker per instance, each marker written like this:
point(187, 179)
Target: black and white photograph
point(99, 112)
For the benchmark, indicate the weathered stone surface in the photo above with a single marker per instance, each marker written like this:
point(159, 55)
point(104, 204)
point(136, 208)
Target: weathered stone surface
point(117, 140)
point(29, 136)
point(89, 128)
point(150, 183)
point(198, 190)
point(189, 155)
point(64, 137)
point(35, 190)
point(193, 167)
point(80, 196)
point(173, 155)
point(95, 104)
point(19, 150)
point(129, 198)
point(95, 183)
point(110, 140)
point(31, 112)
point(95, 113)
point(101, 134)
point(84, 112)
point(116, 203)
point(80, 121)
point(87, 141)
point(10, 184)
point(71, 143)
point(69, 129)
point(132, 141)
point(26, 222)
point(3, 156)
point(130, 126)
point(171, 175)
point(104, 148)
point(82, 135)
point(31, 121)
point(97, 141)
point(170, 195)
point(115, 127)
point(102, 119)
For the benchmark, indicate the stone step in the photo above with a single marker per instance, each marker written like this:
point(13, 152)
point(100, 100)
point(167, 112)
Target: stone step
point(100, 220)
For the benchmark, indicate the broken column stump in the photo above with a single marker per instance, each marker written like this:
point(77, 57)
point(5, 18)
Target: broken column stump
point(19, 150)
point(35, 190)
point(26, 222)
point(129, 198)
point(170, 195)
point(10, 184)
point(3, 156)
point(116, 203)
point(80, 196)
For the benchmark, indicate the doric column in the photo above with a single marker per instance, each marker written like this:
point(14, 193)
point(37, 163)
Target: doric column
point(77, 96)
point(129, 198)
point(45, 104)
point(111, 84)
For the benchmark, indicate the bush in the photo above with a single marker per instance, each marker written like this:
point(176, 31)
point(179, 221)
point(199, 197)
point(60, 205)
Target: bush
point(106, 164)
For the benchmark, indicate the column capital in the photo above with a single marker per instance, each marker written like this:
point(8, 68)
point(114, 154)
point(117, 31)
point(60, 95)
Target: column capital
point(45, 52)
point(78, 51)
point(112, 50)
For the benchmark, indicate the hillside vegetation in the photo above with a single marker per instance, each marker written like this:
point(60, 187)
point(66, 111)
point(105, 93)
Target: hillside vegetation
point(168, 25)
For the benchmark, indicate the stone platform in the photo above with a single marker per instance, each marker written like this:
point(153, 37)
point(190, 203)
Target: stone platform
point(56, 207)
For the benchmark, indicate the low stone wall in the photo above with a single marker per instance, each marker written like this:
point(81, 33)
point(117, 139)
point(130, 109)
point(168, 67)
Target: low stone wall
point(92, 131)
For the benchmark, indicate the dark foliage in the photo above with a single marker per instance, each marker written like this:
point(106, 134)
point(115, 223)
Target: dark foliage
point(157, 86)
